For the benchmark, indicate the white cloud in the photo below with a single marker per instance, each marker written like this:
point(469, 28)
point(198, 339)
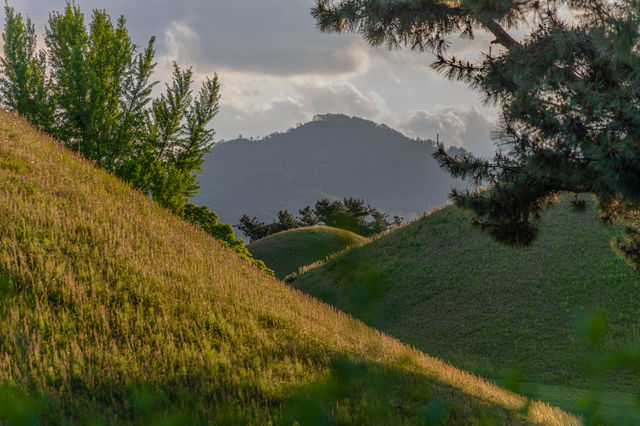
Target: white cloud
point(468, 128)
point(253, 111)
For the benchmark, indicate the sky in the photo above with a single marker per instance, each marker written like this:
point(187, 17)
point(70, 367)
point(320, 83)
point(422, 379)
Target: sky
point(277, 70)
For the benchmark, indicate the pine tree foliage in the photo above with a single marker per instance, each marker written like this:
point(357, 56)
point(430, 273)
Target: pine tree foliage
point(308, 217)
point(568, 95)
point(253, 228)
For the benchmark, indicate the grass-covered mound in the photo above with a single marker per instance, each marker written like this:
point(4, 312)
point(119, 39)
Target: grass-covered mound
point(442, 285)
point(113, 310)
point(286, 251)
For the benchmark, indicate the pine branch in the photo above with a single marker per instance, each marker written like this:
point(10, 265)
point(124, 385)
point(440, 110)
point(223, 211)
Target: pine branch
point(502, 37)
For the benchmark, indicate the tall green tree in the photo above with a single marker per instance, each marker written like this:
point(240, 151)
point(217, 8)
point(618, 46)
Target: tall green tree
point(23, 82)
point(91, 88)
point(568, 94)
point(170, 156)
point(96, 88)
point(97, 100)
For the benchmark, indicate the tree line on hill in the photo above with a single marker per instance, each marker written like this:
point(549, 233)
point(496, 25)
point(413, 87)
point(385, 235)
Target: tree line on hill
point(90, 88)
point(351, 214)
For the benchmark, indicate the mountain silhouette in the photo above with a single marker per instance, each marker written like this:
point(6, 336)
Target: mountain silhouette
point(334, 156)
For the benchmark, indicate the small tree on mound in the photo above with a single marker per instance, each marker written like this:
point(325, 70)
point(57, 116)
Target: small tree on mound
point(351, 214)
point(253, 228)
point(308, 217)
point(568, 95)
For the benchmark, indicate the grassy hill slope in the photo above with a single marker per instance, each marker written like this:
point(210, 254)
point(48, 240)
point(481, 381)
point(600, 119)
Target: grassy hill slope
point(114, 310)
point(443, 286)
point(285, 252)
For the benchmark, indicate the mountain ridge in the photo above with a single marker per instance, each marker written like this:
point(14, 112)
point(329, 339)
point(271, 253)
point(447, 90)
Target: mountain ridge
point(334, 156)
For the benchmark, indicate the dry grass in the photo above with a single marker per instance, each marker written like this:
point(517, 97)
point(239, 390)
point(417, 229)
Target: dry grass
point(110, 295)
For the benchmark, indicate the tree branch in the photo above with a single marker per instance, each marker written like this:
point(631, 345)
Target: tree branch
point(502, 37)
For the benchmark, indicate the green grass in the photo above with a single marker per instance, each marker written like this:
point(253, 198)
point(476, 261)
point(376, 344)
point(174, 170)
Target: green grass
point(114, 311)
point(448, 289)
point(287, 251)
point(616, 407)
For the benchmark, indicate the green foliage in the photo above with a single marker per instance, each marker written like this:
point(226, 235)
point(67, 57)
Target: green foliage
point(310, 406)
point(567, 96)
point(101, 87)
point(350, 214)
point(253, 228)
point(23, 83)
point(19, 409)
point(207, 220)
point(308, 217)
point(175, 140)
point(97, 100)
point(88, 67)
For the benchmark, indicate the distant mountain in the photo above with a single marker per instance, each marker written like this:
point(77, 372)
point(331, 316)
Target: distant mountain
point(333, 156)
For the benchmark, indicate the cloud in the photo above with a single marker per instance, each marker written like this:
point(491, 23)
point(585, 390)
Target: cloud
point(264, 37)
point(337, 98)
point(468, 128)
point(276, 38)
point(277, 70)
point(244, 111)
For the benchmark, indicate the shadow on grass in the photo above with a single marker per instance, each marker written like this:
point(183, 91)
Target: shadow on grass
point(351, 392)
point(596, 403)
point(366, 393)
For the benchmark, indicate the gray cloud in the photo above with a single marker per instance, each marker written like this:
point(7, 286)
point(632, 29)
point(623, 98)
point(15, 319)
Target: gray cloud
point(269, 37)
point(336, 98)
point(461, 127)
point(276, 38)
point(278, 70)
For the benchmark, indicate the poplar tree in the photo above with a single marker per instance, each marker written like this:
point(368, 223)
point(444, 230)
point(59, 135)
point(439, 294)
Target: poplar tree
point(99, 85)
point(169, 155)
point(23, 83)
point(568, 96)
point(91, 88)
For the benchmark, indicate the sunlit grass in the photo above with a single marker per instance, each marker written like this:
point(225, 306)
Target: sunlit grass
point(114, 310)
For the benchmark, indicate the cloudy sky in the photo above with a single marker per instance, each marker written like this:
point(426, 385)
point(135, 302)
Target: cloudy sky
point(277, 70)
